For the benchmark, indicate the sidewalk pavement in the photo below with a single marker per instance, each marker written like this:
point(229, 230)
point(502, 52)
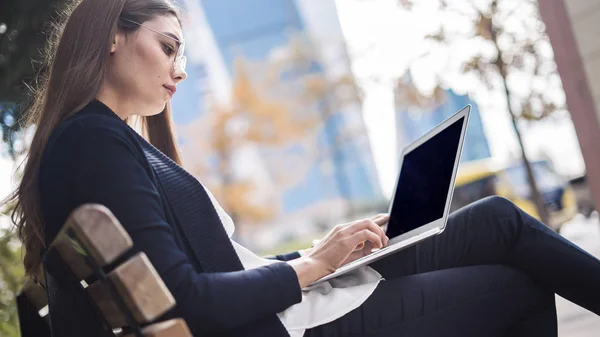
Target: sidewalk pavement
point(574, 321)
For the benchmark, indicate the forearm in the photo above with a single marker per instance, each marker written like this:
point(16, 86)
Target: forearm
point(219, 302)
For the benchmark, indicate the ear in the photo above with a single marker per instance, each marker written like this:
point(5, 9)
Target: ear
point(115, 42)
point(113, 46)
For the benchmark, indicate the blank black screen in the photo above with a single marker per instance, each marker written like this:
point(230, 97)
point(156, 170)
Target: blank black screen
point(424, 181)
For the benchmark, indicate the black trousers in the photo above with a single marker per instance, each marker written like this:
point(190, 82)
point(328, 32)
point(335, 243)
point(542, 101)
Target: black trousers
point(493, 272)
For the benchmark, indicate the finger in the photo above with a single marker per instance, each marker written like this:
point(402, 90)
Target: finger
point(360, 246)
point(380, 215)
point(339, 227)
point(381, 219)
point(363, 224)
point(368, 239)
point(368, 235)
point(377, 229)
point(372, 226)
point(369, 248)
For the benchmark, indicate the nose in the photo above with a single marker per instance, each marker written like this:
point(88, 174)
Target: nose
point(179, 75)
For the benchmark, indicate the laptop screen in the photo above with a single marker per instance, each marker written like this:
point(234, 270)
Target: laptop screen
point(424, 181)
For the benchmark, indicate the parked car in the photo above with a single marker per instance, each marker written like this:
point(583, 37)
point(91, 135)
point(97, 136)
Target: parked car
point(479, 179)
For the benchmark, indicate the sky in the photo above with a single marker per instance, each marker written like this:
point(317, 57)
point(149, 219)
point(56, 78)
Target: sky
point(382, 40)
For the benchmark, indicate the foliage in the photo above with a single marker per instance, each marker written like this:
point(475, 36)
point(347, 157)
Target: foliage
point(280, 105)
point(11, 278)
point(501, 48)
point(22, 38)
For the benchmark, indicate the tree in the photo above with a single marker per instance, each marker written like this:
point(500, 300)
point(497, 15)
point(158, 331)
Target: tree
point(510, 54)
point(11, 279)
point(22, 38)
point(251, 118)
point(282, 105)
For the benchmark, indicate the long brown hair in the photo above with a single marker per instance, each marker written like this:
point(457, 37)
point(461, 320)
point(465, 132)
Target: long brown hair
point(75, 59)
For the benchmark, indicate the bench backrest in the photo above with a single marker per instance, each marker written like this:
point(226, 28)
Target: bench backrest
point(125, 288)
point(32, 306)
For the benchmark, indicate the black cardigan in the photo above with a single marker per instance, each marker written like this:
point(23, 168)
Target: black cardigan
point(95, 157)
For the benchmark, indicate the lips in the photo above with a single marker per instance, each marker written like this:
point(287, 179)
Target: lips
point(171, 89)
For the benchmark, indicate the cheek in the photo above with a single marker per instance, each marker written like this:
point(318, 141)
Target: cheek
point(143, 71)
point(140, 72)
point(125, 71)
point(152, 70)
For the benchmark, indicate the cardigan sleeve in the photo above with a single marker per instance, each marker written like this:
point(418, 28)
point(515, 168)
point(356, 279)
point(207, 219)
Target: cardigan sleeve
point(285, 257)
point(110, 171)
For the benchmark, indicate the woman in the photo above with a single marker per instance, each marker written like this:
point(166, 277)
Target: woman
point(493, 272)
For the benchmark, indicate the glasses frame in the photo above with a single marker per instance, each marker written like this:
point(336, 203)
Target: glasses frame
point(180, 60)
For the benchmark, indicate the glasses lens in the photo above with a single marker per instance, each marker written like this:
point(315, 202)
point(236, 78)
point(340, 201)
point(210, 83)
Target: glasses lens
point(180, 60)
point(182, 63)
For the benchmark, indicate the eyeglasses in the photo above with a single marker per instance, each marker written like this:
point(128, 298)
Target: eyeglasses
point(180, 60)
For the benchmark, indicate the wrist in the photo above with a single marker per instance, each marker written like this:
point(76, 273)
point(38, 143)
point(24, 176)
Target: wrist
point(307, 269)
point(304, 252)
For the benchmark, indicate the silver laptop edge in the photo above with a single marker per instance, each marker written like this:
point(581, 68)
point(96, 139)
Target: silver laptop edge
point(418, 234)
point(464, 112)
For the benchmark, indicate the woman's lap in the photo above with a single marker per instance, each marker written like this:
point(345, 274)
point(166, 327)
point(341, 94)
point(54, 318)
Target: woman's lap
point(492, 268)
point(484, 300)
point(469, 239)
point(495, 231)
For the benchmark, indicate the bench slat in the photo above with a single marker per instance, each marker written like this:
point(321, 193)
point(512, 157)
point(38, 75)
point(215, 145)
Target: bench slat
point(143, 289)
point(96, 228)
point(106, 304)
point(140, 286)
point(35, 294)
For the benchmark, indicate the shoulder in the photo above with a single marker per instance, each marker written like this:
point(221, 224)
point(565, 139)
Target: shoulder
point(86, 126)
point(88, 131)
point(87, 140)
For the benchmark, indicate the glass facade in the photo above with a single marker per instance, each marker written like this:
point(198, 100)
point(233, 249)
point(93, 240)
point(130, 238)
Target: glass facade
point(412, 123)
point(255, 30)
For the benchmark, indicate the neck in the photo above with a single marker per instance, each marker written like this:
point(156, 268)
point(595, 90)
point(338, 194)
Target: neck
point(113, 100)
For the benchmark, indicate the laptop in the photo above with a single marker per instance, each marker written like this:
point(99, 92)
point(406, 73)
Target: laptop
point(421, 202)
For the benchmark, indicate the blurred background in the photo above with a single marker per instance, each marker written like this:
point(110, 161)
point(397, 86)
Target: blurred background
point(295, 112)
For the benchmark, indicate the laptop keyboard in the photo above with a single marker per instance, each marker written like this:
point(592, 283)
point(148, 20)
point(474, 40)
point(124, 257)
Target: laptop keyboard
point(349, 265)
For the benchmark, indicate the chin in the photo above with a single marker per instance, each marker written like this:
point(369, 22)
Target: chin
point(155, 109)
point(163, 106)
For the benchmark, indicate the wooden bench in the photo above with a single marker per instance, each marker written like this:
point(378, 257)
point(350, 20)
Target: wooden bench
point(32, 306)
point(126, 290)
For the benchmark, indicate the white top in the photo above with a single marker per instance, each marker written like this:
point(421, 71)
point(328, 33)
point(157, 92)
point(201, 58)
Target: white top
point(321, 303)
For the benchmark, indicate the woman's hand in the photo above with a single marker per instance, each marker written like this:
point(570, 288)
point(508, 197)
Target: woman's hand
point(344, 243)
point(367, 247)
